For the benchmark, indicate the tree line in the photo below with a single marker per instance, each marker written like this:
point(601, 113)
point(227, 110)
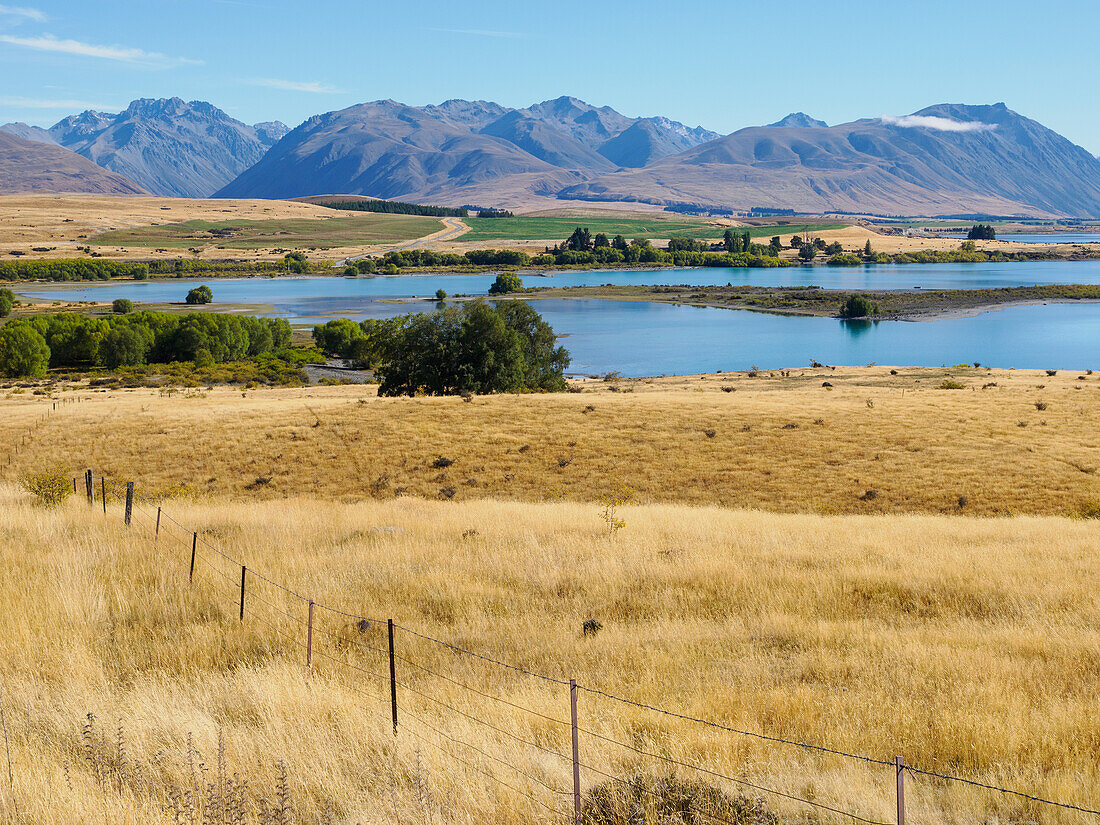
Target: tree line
point(72, 269)
point(473, 348)
point(30, 346)
point(399, 208)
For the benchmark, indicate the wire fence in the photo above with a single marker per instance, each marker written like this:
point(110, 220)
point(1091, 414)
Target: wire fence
point(379, 659)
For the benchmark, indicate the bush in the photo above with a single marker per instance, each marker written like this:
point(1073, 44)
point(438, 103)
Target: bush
point(50, 487)
point(7, 301)
point(506, 282)
point(441, 295)
point(858, 306)
point(200, 295)
point(951, 384)
point(844, 260)
point(23, 351)
point(668, 799)
point(122, 306)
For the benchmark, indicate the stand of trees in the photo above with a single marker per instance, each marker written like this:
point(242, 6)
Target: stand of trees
point(29, 346)
point(399, 208)
point(982, 232)
point(72, 269)
point(473, 348)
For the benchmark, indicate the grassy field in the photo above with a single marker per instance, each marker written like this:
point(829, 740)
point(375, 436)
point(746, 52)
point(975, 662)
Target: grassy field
point(968, 645)
point(325, 233)
point(872, 443)
point(552, 228)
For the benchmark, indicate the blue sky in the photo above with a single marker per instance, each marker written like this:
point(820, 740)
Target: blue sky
point(723, 65)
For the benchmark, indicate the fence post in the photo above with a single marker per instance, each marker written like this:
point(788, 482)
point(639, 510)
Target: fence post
point(393, 681)
point(576, 753)
point(194, 542)
point(309, 638)
point(103, 492)
point(156, 534)
point(244, 570)
point(901, 790)
point(74, 485)
point(129, 501)
point(89, 488)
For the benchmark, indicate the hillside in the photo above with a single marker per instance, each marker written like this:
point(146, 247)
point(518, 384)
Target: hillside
point(945, 159)
point(33, 166)
point(170, 147)
point(457, 152)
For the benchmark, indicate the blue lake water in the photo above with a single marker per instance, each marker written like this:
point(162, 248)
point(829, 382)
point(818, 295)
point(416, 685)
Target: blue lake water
point(640, 338)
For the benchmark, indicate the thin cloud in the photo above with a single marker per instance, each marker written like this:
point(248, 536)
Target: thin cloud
point(22, 12)
point(312, 87)
point(940, 124)
point(479, 32)
point(41, 103)
point(49, 43)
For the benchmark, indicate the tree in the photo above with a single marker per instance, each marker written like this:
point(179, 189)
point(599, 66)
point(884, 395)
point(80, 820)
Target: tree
point(544, 361)
point(506, 282)
point(807, 252)
point(819, 244)
point(350, 270)
point(867, 251)
point(981, 232)
point(125, 346)
point(619, 243)
point(834, 248)
point(600, 240)
point(200, 295)
point(796, 242)
point(296, 262)
point(731, 242)
point(23, 351)
point(858, 306)
point(337, 337)
point(746, 241)
point(579, 241)
point(7, 301)
point(122, 306)
point(775, 243)
point(441, 295)
point(677, 244)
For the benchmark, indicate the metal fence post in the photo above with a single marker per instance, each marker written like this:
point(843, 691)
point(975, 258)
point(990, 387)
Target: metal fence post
point(194, 542)
point(309, 638)
point(393, 680)
point(244, 571)
point(129, 502)
point(576, 753)
point(901, 790)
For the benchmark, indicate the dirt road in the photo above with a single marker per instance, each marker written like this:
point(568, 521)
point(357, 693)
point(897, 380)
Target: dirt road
point(452, 228)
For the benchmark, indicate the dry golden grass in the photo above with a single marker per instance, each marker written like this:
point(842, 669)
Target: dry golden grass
point(776, 443)
point(968, 645)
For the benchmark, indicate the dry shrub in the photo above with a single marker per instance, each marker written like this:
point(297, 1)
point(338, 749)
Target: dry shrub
point(666, 799)
point(50, 487)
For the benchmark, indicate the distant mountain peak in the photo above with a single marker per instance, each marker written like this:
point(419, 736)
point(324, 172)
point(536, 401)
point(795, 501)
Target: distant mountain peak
point(800, 120)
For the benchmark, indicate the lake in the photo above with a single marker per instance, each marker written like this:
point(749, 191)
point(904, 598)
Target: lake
point(639, 338)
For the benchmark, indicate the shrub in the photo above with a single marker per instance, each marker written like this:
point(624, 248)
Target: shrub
point(122, 306)
point(858, 306)
point(668, 799)
point(505, 283)
point(441, 295)
point(50, 486)
point(1089, 509)
point(7, 301)
point(200, 295)
point(844, 260)
point(951, 384)
point(23, 351)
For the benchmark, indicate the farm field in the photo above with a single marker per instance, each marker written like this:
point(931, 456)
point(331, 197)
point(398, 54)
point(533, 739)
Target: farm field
point(323, 233)
point(558, 228)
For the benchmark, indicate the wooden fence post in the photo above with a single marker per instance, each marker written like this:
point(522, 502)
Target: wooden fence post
point(576, 753)
point(103, 492)
point(129, 502)
point(244, 571)
point(393, 680)
point(309, 638)
point(89, 488)
point(901, 790)
point(194, 543)
point(156, 534)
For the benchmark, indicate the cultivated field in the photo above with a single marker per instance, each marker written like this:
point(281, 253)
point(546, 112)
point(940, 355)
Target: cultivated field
point(1009, 441)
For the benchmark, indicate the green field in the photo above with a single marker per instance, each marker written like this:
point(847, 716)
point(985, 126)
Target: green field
point(553, 229)
point(325, 233)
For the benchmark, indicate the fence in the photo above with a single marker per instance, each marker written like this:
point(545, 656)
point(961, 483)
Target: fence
point(392, 653)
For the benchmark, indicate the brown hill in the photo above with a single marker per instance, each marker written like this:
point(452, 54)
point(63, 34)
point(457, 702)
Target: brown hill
point(30, 166)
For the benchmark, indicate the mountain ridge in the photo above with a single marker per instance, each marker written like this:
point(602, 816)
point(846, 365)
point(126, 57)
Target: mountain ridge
point(28, 166)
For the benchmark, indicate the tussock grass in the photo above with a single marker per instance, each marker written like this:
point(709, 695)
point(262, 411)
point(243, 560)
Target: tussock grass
point(968, 645)
point(919, 447)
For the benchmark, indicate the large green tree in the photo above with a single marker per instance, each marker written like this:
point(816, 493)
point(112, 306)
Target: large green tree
point(23, 351)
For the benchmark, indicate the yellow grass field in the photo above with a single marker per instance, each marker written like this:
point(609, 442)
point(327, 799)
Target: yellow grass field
point(970, 646)
point(786, 444)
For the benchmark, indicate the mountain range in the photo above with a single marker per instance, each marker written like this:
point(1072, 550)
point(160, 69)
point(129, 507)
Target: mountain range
point(943, 160)
point(40, 166)
point(168, 147)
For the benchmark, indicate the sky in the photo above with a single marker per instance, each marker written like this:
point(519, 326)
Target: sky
point(722, 65)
